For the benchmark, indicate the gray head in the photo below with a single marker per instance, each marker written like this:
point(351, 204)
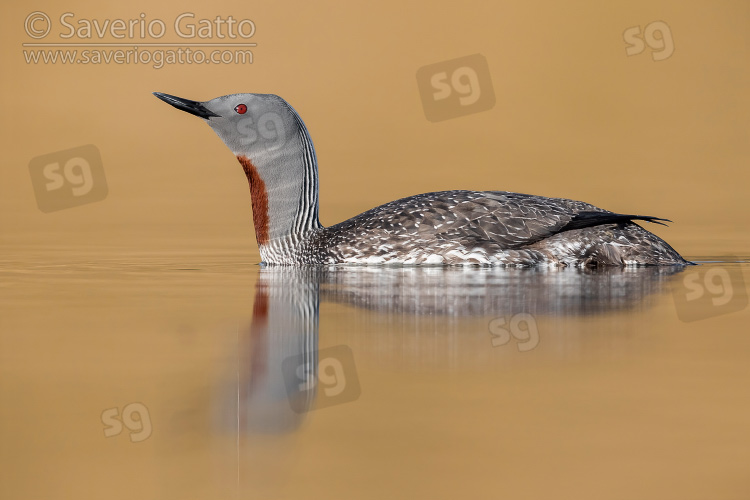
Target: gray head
point(276, 152)
point(251, 125)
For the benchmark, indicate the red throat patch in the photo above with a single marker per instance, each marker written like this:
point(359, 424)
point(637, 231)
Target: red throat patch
point(259, 197)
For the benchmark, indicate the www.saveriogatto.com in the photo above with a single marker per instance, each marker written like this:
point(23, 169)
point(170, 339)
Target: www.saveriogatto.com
point(185, 39)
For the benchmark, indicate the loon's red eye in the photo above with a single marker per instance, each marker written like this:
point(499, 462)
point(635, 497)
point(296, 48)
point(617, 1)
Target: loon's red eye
point(241, 109)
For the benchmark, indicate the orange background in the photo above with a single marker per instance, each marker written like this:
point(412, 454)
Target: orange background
point(141, 297)
point(575, 117)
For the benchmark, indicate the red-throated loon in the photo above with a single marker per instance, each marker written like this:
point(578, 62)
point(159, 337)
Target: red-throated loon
point(445, 228)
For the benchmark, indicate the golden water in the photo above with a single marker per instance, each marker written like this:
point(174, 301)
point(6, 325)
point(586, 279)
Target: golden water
point(161, 376)
point(142, 350)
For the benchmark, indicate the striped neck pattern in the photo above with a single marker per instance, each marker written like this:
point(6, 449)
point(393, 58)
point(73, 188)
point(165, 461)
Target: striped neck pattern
point(284, 192)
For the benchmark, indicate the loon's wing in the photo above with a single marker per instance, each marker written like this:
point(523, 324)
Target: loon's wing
point(512, 220)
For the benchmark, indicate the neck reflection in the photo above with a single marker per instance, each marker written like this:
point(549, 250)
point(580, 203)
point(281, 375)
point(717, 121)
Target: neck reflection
point(282, 374)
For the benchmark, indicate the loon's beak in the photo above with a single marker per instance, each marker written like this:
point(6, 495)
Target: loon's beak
point(193, 107)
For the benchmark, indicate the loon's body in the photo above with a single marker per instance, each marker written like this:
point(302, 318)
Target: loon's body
point(480, 228)
point(443, 228)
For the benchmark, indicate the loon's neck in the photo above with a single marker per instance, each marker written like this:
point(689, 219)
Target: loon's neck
point(284, 190)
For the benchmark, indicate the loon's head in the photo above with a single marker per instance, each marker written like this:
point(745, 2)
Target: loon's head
point(271, 142)
point(251, 125)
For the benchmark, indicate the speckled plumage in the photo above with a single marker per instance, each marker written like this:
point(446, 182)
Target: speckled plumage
point(476, 228)
point(494, 228)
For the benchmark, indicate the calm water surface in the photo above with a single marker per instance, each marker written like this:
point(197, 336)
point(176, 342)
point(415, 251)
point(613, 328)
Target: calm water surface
point(202, 375)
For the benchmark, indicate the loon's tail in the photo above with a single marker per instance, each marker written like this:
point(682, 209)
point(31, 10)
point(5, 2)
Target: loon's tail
point(588, 219)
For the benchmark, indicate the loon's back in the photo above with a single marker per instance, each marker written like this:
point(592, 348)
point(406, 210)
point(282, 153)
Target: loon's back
point(492, 228)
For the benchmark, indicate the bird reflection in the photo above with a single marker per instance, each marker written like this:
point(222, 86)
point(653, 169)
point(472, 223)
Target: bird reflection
point(277, 374)
point(474, 291)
